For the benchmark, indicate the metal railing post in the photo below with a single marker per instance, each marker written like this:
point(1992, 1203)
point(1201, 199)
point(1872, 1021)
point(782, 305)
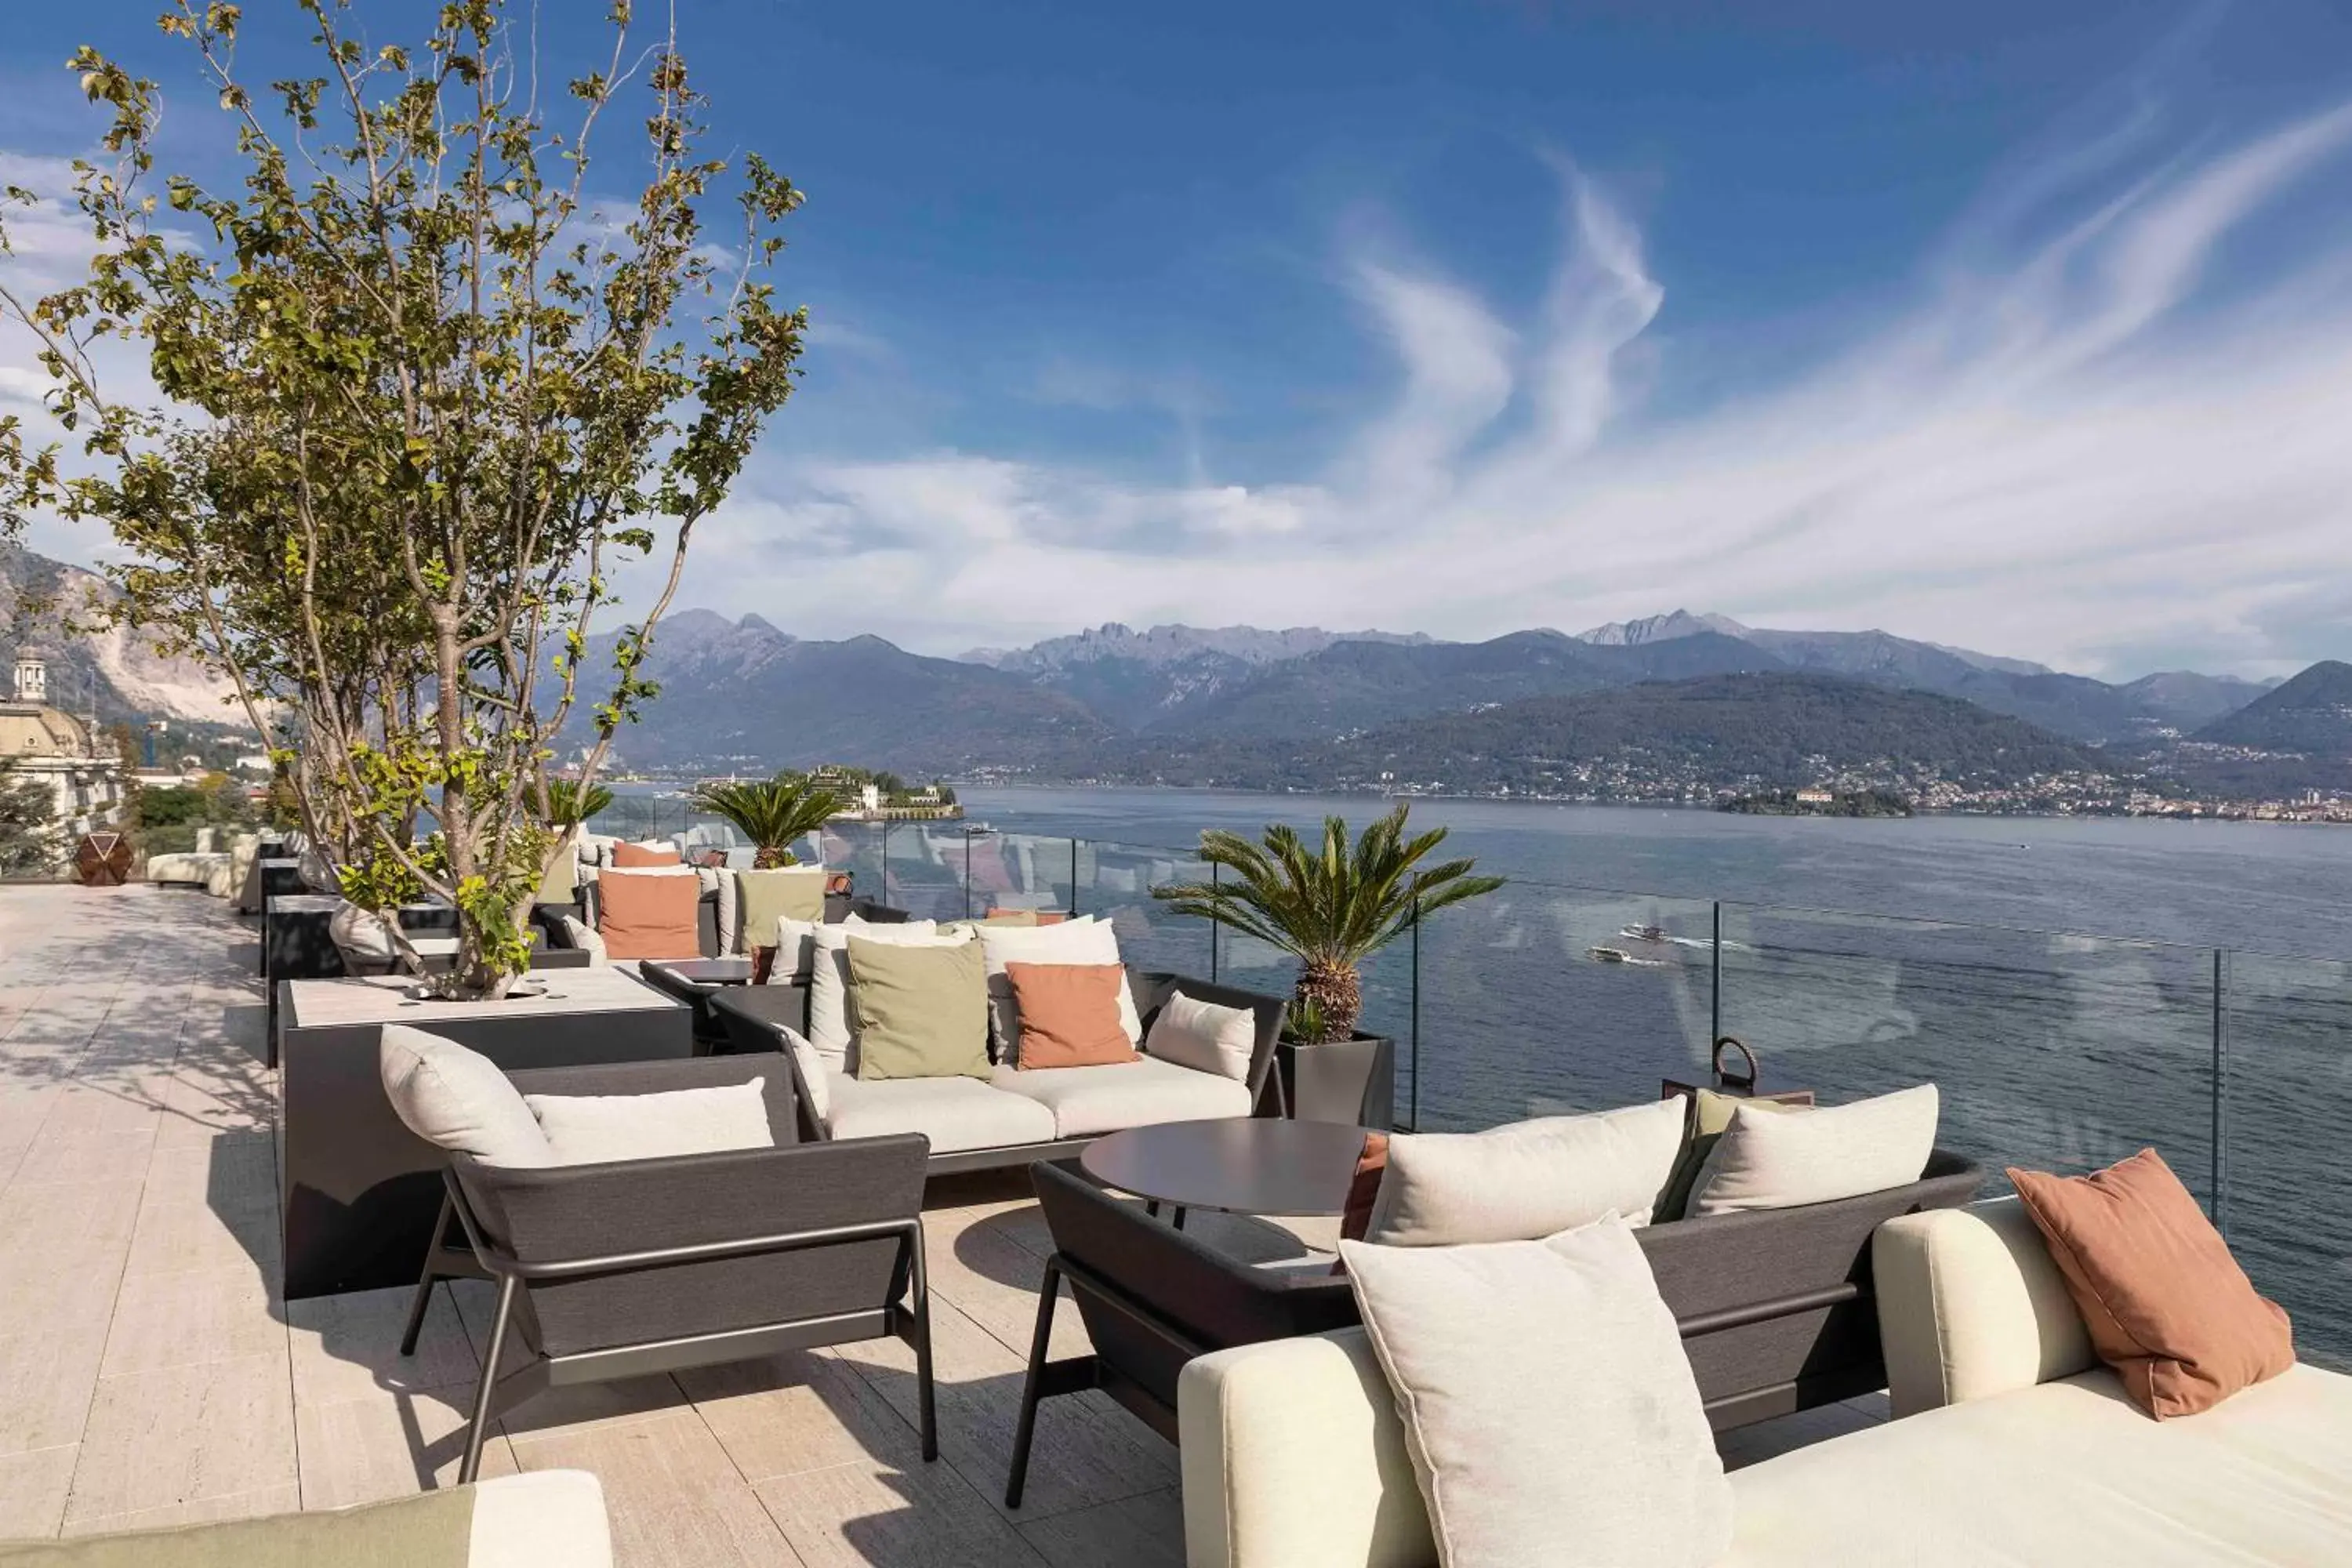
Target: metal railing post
point(1214, 923)
point(2219, 1207)
point(967, 873)
point(886, 860)
point(1715, 980)
point(1074, 874)
point(1412, 1047)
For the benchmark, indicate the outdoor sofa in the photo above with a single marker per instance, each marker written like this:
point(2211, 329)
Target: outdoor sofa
point(1778, 1306)
point(1015, 1118)
point(2012, 1443)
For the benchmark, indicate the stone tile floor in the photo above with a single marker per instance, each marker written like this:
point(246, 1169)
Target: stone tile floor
point(150, 1373)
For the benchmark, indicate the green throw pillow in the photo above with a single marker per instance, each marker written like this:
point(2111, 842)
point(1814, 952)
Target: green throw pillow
point(785, 892)
point(561, 883)
point(921, 1012)
point(1708, 1123)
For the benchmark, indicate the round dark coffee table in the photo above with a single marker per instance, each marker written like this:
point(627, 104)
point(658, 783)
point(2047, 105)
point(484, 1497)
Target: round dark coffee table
point(1254, 1164)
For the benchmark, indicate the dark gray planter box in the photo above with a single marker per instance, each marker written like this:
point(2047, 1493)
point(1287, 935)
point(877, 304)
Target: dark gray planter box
point(1351, 1080)
point(360, 1189)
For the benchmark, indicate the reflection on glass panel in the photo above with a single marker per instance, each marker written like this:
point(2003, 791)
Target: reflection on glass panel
point(922, 866)
point(2062, 1053)
point(2289, 1076)
point(1539, 1001)
point(1114, 883)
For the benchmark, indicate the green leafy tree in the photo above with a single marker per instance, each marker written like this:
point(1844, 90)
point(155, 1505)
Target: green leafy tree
point(773, 813)
point(1330, 906)
point(425, 389)
point(28, 824)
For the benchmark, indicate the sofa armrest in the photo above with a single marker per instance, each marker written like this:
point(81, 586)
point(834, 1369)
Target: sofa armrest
point(1294, 1457)
point(540, 1517)
point(1970, 1304)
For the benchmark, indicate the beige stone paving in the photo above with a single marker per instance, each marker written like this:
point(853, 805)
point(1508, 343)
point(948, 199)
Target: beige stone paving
point(150, 1375)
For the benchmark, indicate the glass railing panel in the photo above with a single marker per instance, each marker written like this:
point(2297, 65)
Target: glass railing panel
point(1522, 1013)
point(1115, 882)
point(2288, 1023)
point(853, 847)
point(924, 869)
point(2057, 1052)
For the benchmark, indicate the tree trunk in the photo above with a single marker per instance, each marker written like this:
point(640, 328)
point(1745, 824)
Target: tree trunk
point(770, 856)
point(1337, 990)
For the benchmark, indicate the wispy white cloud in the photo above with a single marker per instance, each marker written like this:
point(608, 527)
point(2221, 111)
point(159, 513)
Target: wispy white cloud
point(2077, 445)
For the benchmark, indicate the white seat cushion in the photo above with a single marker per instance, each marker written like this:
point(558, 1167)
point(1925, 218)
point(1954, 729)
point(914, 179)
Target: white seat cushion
point(1526, 1180)
point(1085, 1101)
point(2066, 1472)
point(954, 1113)
point(597, 1129)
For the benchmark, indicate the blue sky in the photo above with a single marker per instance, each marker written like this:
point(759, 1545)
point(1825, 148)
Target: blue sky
point(2023, 327)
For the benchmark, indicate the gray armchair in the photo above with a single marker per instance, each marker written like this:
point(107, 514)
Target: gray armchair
point(632, 1267)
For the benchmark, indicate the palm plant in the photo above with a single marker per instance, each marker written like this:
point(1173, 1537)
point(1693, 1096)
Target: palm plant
point(771, 813)
point(1329, 908)
point(569, 806)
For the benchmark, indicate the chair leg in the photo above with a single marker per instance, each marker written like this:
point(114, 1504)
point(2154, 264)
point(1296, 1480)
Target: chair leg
point(479, 1430)
point(1180, 1220)
point(1048, 1295)
point(920, 1282)
point(417, 1308)
point(1152, 1208)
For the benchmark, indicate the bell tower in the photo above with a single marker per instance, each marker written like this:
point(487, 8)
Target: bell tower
point(32, 679)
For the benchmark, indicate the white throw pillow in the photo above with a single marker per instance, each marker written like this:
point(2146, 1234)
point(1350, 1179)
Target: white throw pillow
point(1085, 940)
point(1549, 1406)
point(719, 881)
point(1832, 1152)
point(1527, 1180)
point(812, 1076)
point(588, 939)
point(1204, 1036)
point(598, 1128)
point(459, 1100)
point(832, 1027)
point(796, 949)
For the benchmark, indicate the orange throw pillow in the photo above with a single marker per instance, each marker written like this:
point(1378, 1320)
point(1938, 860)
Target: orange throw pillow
point(630, 856)
point(1069, 1015)
point(649, 916)
point(2167, 1305)
point(1370, 1161)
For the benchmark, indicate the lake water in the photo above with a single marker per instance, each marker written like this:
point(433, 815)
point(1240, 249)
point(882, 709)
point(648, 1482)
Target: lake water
point(2055, 978)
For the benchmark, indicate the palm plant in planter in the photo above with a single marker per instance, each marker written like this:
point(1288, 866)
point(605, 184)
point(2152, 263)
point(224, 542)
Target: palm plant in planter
point(1331, 906)
point(772, 813)
point(569, 806)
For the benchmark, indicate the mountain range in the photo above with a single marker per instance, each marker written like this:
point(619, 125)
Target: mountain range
point(1303, 704)
point(1175, 680)
point(115, 673)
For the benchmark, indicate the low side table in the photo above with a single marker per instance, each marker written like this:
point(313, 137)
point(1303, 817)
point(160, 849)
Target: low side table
point(1254, 1165)
point(695, 981)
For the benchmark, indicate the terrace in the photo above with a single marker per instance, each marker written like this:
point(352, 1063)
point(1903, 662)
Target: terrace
point(150, 1374)
point(153, 1373)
